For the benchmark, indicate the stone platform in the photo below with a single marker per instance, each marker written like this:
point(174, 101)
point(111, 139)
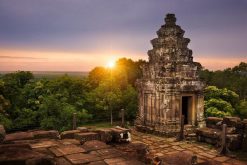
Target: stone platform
point(172, 152)
point(66, 152)
point(74, 147)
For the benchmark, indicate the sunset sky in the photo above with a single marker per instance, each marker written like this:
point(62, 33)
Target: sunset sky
point(77, 35)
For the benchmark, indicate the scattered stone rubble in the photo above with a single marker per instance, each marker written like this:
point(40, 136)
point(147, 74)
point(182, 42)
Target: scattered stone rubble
point(81, 146)
point(236, 135)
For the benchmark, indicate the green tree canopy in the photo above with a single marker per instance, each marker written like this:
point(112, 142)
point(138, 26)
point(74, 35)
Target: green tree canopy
point(220, 102)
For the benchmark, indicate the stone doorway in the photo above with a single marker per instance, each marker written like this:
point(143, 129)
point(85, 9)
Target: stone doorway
point(187, 109)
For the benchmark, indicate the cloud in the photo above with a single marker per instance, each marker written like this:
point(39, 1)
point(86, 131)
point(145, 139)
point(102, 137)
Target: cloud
point(12, 57)
point(85, 31)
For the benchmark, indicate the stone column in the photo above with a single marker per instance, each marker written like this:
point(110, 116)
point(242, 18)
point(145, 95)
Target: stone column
point(200, 110)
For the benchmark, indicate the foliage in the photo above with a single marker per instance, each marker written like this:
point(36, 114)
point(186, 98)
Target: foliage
point(129, 99)
point(228, 85)
point(218, 108)
point(58, 115)
point(113, 90)
point(25, 118)
point(4, 120)
point(51, 103)
point(223, 94)
point(215, 112)
point(26, 102)
point(41, 103)
point(242, 109)
point(234, 79)
point(220, 102)
point(97, 75)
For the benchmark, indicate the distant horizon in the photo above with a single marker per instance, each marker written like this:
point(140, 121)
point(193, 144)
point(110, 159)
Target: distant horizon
point(87, 71)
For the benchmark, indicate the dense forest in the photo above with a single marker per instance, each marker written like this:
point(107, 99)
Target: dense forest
point(49, 103)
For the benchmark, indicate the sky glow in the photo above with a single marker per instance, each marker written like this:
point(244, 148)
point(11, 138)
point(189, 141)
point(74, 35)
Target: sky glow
point(78, 35)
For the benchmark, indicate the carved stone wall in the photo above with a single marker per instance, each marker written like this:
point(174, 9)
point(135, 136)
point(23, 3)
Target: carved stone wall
point(169, 75)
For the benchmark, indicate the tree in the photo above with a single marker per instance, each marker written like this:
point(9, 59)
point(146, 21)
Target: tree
point(97, 75)
point(218, 108)
point(220, 102)
point(130, 102)
point(26, 119)
point(224, 94)
point(103, 99)
point(132, 69)
point(4, 117)
point(234, 79)
point(58, 115)
point(242, 109)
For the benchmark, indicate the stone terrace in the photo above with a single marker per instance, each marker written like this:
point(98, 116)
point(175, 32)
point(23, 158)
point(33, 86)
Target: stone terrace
point(164, 147)
point(64, 152)
point(46, 148)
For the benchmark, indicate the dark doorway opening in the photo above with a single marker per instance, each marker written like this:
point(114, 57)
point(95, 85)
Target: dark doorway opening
point(186, 108)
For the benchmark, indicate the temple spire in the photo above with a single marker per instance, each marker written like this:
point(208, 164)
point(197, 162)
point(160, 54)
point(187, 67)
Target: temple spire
point(170, 19)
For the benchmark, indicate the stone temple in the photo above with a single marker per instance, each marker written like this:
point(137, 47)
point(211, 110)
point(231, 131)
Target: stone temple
point(170, 86)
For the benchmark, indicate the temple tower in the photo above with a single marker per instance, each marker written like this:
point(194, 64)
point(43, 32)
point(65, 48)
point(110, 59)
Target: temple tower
point(170, 86)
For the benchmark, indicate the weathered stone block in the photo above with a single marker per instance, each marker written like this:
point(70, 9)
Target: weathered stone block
point(18, 136)
point(51, 134)
point(231, 121)
point(214, 122)
point(105, 135)
point(69, 134)
point(98, 163)
point(6, 146)
point(109, 153)
point(2, 133)
point(231, 130)
point(178, 158)
point(211, 140)
point(244, 122)
point(46, 160)
point(113, 161)
point(87, 136)
point(81, 158)
point(209, 132)
point(82, 129)
point(135, 150)
point(62, 161)
point(66, 150)
point(70, 141)
point(234, 141)
point(140, 150)
point(44, 143)
point(208, 135)
point(244, 143)
point(94, 145)
point(22, 155)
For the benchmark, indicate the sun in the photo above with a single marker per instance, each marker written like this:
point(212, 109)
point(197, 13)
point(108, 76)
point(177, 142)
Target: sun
point(111, 64)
